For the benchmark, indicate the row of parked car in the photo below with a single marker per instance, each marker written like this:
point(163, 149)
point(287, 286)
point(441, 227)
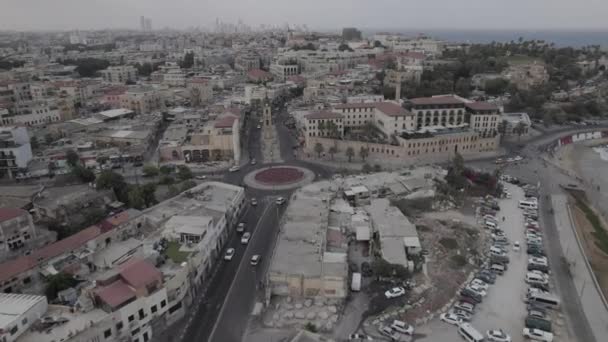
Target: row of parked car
point(538, 325)
point(473, 294)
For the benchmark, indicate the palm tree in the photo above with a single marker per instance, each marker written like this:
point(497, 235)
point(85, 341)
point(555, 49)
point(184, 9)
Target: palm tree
point(350, 153)
point(519, 129)
point(319, 149)
point(363, 153)
point(332, 150)
point(502, 129)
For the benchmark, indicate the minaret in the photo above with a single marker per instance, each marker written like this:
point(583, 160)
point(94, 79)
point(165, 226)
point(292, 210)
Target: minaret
point(267, 121)
point(398, 88)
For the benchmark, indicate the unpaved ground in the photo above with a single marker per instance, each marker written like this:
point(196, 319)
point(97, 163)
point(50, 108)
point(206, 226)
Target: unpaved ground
point(597, 258)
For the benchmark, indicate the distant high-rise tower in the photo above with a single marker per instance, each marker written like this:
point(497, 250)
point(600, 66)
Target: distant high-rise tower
point(142, 23)
point(148, 25)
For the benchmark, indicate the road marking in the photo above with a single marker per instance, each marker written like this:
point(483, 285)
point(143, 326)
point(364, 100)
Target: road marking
point(238, 270)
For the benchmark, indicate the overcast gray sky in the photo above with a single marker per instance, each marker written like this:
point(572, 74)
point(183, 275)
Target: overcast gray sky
point(418, 14)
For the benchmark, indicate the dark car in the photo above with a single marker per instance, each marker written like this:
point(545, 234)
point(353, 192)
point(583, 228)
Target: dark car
point(471, 294)
point(538, 323)
point(366, 269)
point(537, 267)
point(487, 276)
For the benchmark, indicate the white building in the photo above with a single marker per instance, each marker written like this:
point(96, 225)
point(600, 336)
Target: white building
point(284, 71)
point(16, 228)
point(32, 113)
point(175, 78)
point(18, 312)
point(15, 148)
point(119, 74)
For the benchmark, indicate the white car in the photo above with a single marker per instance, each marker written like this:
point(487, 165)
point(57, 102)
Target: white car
point(280, 200)
point(477, 289)
point(395, 292)
point(253, 161)
point(450, 318)
point(240, 228)
point(245, 238)
point(538, 335)
point(402, 327)
point(235, 168)
point(359, 337)
point(498, 335)
point(229, 254)
point(516, 246)
point(254, 202)
point(259, 126)
point(255, 259)
point(201, 177)
point(461, 314)
point(482, 284)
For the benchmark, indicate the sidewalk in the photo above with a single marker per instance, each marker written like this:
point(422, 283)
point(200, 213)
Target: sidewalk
point(591, 299)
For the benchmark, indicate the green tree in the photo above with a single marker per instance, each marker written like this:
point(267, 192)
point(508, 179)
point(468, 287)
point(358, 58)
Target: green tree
point(187, 185)
point(165, 170)
point(150, 170)
point(377, 43)
point(172, 190)
point(87, 67)
point(363, 153)
point(112, 180)
point(332, 151)
point(496, 86)
point(350, 153)
point(188, 60)
point(366, 168)
point(72, 158)
point(344, 47)
point(84, 174)
point(183, 172)
point(519, 129)
point(148, 192)
point(34, 143)
point(58, 282)
point(377, 168)
point(319, 149)
point(136, 198)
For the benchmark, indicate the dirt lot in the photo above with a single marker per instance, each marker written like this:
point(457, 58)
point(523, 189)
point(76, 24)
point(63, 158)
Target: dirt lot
point(597, 258)
point(453, 242)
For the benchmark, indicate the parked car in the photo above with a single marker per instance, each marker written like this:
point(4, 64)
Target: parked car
point(465, 306)
point(537, 323)
point(486, 276)
point(498, 335)
point(280, 200)
point(229, 254)
point(245, 238)
point(254, 201)
point(386, 331)
point(240, 228)
point(235, 168)
point(480, 283)
point(359, 337)
point(538, 335)
point(201, 177)
point(402, 327)
point(253, 161)
point(450, 318)
point(471, 294)
point(255, 259)
point(477, 289)
point(462, 315)
point(395, 292)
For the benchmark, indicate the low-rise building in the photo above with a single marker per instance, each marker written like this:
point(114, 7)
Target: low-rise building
point(528, 75)
point(18, 312)
point(16, 229)
point(283, 70)
point(143, 100)
point(201, 91)
point(515, 121)
point(119, 74)
point(15, 149)
point(310, 256)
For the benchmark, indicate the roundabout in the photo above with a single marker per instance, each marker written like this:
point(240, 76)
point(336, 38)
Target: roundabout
point(279, 178)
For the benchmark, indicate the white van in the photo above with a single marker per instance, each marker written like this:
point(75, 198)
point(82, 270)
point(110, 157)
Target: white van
point(528, 205)
point(546, 299)
point(469, 333)
point(535, 278)
point(490, 224)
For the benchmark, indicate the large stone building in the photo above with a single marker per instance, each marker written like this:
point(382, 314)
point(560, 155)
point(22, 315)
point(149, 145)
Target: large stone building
point(143, 100)
point(119, 74)
point(201, 91)
point(16, 229)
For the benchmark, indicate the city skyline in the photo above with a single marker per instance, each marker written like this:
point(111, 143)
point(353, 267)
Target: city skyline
point(389, 14)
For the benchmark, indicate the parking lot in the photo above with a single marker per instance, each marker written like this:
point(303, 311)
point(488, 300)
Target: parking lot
point(504, 306)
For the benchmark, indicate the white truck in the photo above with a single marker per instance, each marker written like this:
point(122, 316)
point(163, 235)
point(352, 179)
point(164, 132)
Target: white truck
point(355, 284)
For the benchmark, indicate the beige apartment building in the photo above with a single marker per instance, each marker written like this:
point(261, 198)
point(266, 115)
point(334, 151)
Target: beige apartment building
point(143, 100)
point(119, 74)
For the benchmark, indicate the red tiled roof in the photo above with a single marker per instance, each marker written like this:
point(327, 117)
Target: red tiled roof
point(324, 114)
point(259, 74)
point(139, 273)
point(413, 54)
point(391, 109)
point(201, 80)
point(115, 294)
point(225, 122)
point(118, 219)
point(355, 105)
point(12, 268)
point(436, 100)
point(482, 106)
point(10, 213)
point(234, 110)
point(297, 79)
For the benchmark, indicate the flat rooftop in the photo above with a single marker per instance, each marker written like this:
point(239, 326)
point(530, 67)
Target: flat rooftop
point(12, 305)
point(302, 244)
point(77, 322)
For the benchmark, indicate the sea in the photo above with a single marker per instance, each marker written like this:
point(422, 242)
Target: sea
point(561, 38)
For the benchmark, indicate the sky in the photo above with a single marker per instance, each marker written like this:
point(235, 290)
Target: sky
point(317, 14)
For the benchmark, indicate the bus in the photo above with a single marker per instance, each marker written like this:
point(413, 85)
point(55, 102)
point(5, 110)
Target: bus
point(528, 205)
